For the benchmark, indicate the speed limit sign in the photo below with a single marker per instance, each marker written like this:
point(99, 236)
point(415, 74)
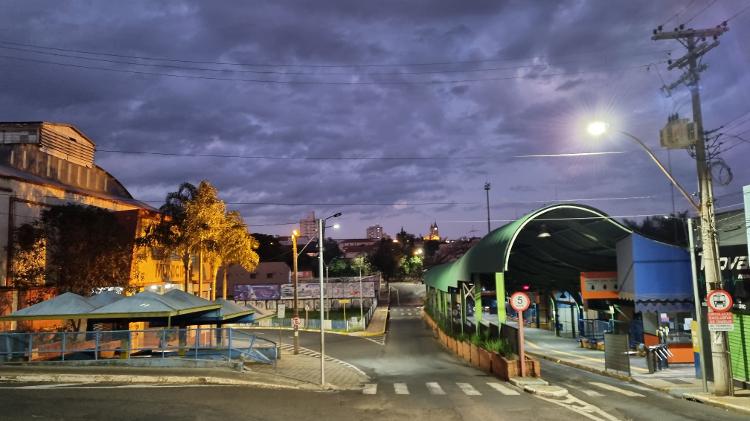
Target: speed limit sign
point(520, 301)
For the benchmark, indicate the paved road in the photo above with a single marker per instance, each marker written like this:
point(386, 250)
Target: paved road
point(412, 377)
point(627, 400)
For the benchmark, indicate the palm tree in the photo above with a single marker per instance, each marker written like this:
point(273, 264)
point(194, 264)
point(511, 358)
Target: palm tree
point(235, 245)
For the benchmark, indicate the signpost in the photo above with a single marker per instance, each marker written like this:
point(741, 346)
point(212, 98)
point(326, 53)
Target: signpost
point(720, 319)
point(520, 302)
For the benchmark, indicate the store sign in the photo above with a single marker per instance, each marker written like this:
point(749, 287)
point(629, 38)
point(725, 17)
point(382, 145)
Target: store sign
point(720, 322)
point(599, 286)
point(735, 272)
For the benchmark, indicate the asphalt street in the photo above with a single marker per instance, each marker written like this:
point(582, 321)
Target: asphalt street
point(412, 377)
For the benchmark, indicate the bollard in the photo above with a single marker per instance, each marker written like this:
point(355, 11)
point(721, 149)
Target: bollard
point(62, 347)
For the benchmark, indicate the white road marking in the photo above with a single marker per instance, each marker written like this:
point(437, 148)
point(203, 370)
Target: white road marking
point(617, 389)
point(505, 390)
point(48, 386)
point(592, 393)
point(435, 388)
point(581, 407)
point(468, 389)
point(370, 389)
point(400, 388)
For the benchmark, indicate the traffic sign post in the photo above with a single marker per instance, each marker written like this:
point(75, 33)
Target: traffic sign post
point(520, 302)
point(719, 300)
point(720, 319)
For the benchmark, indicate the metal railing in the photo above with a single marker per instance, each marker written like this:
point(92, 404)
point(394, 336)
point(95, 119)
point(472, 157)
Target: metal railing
point(350, 325)
point(194, 343)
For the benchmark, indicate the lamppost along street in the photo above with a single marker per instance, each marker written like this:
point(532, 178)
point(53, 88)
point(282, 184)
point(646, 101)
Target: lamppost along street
point(487, 190)
point(321, 236)
point(295, 307)
point(704, 209)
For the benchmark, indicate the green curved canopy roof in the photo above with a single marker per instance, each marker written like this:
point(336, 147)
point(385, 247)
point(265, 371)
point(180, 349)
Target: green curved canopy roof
point(582, 239)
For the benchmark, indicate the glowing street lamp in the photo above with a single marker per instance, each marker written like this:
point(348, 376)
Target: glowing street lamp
point(599, 128)
point(712, 273)
point(321, 237)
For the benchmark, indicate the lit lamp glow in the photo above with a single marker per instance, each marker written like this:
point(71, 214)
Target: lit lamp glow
point(596, 128)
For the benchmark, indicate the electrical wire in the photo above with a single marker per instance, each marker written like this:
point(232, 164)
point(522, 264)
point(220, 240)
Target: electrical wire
point(700, 11)
point(684, 9)
point(320, 82)
point(354, 158)
point(738, 13)
point(297, 65)
point(289, 73)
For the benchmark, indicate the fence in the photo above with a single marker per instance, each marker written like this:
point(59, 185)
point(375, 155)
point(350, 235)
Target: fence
point(197, 343)
point(352, 324)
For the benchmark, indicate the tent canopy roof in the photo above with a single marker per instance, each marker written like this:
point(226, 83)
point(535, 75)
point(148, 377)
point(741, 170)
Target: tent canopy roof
point(582, 239)
point(64, 306)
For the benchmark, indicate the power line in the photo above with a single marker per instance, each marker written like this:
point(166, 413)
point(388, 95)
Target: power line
point(700, 11)
point(353, 158)
point(296, 65)
point(583, 218)
point(684, 9)
point(286, 72)
point(320, 82)
point(739, 12)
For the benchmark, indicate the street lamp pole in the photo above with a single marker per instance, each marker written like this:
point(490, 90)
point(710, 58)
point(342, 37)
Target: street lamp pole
point(321, 235)
point(705, 210)
point(296, 305)
point(487, 190)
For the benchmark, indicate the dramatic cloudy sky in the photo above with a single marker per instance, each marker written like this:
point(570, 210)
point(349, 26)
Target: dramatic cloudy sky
point(392, 112)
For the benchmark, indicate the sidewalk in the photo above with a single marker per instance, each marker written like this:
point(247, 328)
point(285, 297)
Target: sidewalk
point(290, 372)
point(378, 323)
point(678, 380)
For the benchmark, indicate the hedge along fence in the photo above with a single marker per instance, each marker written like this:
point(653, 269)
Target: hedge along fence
point(492, 355)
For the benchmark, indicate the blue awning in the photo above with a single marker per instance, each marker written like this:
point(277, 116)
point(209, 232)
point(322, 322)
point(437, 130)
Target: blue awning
point(656, 276)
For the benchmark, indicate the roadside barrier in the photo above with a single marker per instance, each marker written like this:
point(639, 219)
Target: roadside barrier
point(195, 343)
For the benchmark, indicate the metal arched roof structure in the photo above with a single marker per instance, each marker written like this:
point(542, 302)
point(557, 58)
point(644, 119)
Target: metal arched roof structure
point(581, 239)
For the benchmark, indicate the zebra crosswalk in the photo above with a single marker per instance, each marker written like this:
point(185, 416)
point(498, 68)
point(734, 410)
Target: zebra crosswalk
point(435, 388)
point(600, 388)
point(406, 312)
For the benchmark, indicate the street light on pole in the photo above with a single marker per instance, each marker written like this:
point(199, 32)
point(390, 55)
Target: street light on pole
point(321, 235)
point(295, 307)
point(704, 209)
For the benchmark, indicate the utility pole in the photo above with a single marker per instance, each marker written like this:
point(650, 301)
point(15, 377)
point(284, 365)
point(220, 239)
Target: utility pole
point(695, 42)
point(487, 190)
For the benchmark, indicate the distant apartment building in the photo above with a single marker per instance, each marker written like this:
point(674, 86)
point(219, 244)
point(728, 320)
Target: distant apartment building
point(375, 232)
point(308, 226)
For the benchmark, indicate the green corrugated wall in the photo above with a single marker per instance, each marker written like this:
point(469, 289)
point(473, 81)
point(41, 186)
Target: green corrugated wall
point(739, 347)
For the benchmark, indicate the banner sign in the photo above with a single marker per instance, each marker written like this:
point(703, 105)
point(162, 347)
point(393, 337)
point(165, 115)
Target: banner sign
point(257, 292)
point(305, 291)
point(720, 322)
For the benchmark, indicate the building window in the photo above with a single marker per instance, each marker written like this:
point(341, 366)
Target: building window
point(269, 275)
point(253, 276)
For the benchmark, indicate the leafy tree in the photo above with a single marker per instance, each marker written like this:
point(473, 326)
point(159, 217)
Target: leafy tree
point(386, 258)
point(87, 248)
point(362, 265)
point(169, 233)
point(192, 222)
point(411, 266)
point(29, 254)
point(671, 229)
point(235, 245)
point(270, 250)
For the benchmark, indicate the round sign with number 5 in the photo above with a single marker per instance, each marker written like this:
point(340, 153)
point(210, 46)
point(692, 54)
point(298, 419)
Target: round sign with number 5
point(520, 301)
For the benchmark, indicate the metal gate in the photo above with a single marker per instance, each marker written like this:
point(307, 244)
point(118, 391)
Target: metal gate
point(616, 353)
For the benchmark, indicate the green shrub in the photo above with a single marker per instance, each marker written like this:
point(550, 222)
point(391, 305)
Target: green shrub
point(499, 346)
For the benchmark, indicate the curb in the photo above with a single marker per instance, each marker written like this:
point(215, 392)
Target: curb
point(141, 379)
point(584, 367)
point(707, 400)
